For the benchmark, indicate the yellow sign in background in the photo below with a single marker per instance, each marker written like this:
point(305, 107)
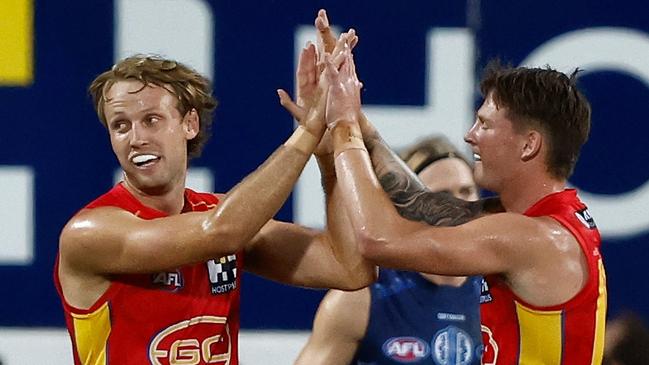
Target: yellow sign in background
point(16, 42)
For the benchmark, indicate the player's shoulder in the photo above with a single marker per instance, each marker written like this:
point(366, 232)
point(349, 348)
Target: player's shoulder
point(345, 313)
point(91, 221)
point(88, 233)
point(513, 220)
point(336, 301)
point(515, 229)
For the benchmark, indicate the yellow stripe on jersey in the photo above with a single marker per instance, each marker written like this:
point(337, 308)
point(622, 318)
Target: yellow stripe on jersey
point(600, 316)
point(540, 334)
point(91, 333)
point(16, 42)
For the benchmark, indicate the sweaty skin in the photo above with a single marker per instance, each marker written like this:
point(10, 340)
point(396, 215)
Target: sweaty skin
point(538, 257)
point(342, 317)
point(149, 138)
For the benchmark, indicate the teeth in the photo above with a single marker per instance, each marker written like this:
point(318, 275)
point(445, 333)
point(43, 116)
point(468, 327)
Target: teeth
point(141, 159)
point(477, 157)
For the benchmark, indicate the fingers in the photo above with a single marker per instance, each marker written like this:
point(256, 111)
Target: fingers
point(325, 35)
point(306, 76)
point(311, 64)
point(334, 54)
point(300, 73)
point(285, 100)
point(307, 61)
point(352, 66)
point(342, 62)
point(339, 59)
point(331, 69)
point(353, 41)
point(345, 68)
point(341, 45)
point(327, 39)
point(350, 38)
point(322, 21)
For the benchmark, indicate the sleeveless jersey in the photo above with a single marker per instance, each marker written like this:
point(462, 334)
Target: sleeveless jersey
point(572, 333)
point(189, 315)
point(413, 320)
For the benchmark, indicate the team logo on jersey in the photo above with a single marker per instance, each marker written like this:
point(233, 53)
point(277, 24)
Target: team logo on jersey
point(223, 274)
point(405, 349)
point(490, 353)
point(452, 346)
point(585, 218)
point(172, 280)
point(485, 294)
point(199, 340)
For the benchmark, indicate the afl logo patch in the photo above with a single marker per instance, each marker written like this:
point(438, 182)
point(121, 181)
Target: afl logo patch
point(171, 281)
point(452, 346)
point(405, 349)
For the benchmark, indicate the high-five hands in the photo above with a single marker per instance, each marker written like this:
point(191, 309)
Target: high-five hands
point(309, 109)
point(343, 94)
point(312, 86)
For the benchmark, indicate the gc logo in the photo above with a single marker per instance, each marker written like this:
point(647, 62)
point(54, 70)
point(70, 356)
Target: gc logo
point(193, 342)
point(490, 354)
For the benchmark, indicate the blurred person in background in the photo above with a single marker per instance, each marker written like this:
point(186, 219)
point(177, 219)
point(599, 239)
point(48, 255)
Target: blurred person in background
point(627, 341)
point(543, 298)
point(406, 316)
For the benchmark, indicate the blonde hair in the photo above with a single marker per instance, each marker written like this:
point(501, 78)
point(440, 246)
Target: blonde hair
point(425, 152)
point(193, 90)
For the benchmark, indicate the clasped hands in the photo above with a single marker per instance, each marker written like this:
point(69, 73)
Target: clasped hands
point(328, 89)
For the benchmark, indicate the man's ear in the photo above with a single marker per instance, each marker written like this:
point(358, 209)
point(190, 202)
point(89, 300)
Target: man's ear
point(191, 124)
point(532, 145)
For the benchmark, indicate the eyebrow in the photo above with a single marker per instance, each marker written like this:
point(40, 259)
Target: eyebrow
point(483, 118)
point(149, 110)
point(143, 111)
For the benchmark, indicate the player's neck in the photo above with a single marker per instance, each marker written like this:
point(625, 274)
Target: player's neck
point(520, 195)
point(170, 201)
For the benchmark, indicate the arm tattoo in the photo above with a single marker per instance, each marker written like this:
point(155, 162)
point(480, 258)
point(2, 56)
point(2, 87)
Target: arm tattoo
point(413, 200)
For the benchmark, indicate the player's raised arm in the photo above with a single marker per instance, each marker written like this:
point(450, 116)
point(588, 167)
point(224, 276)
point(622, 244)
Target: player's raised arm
point(297, 255)
point(151, 145)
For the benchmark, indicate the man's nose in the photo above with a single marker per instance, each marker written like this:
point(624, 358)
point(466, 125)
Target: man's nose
point(139, 135)
point(469, 135)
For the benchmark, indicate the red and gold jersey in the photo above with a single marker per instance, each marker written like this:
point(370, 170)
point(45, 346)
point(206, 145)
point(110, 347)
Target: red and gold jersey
point(189, 315)
point(516, 332)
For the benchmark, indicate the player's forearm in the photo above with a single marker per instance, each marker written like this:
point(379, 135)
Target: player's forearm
point(327, 172)
point(250, 204)
point(395, 177)
point(409, 195)
point(368, 207)
point(344, 245)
